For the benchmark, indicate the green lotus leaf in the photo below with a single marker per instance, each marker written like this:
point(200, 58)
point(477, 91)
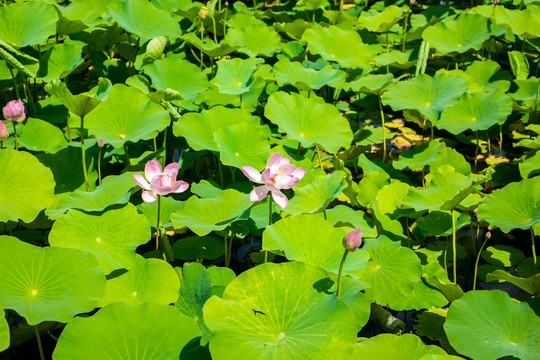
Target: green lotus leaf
point(476, 111)
point(80, 104)
point(48, 283)
point(484, 76)
point(521, 22)
point(444, 192)
point(126, 115)
point(254, 40)
point(527, 92)
point(220, 276)
point(199, 128)
point(168, 205)
point(120, 331)
point(113, 190)
point(487, 325)
point(370, 184)
point(530, 166)
point(530, 284)
point(99, 234)
point(177, 74)
point(173, 5)
point(311, 4)
point(521, 201)
point(294, 29)
point(294, 73)
point(526, 268)
point(439, 223)
point(430, 96)
point(397, 58)
point(243, 144)
point(235, 76)
point(392, 271)
point(312, 197)
point(29, 23)
point(274, 311)
point(309, 121)
point(61, 60)
point(430, 323)
point(77, 16)
point(144, 19)
point(248, 100)
point(4, 331)
point(448, 156)
point(389, 198)
point(335, 44)
point(468, 31)
point(394, 347)
point(149, 280)
point(349, 219)
point(196, 247)
point(205, 215)
point(440, 357)
point(39, 135)
point(208, 46)
point(26, 186)
point(419, 156)
point(503, 255)
point(371, 83)
point(358, 302)
point(380, 21)
point(313, 241)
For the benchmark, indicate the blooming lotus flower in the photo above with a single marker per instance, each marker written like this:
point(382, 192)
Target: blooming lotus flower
point(14, 111)
point(159, 182)
point(278, 174)
point(353, 240)
point(4, 134)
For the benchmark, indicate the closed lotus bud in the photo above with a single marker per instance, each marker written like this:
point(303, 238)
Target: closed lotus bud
point(203, 12)
point(14, 111)
point(4, 134)
point(101, 142)
point(353, 240)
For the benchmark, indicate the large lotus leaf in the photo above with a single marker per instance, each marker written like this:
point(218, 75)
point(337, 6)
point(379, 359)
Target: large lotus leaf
point(80, 104)
point(205, 215)
point(274, 311)
point(39, 135)
point(294, 73)
point(143, 19)
point(349, 219)
point(468, 31)
point(430, 325)
point(430, 96)
point(112, 245)
point(530, 284)
point(527, 92)
point(60, 60)
point(503, 255)
point(77, 16)
point(309, 121)
point(316, 195)
point(243, 144)
point(29, 23)
point(392, 271)
point(371, 83)
point(149, 280)
point(522, 22)
point(521, 204)
point(26, 186)
point(314, 241)
point(389, 198)
point(439, 223)
point(531, 165)
point(483, 76)
point(167, 205)
point(488, 325)
point(380, 21)
point(395, 347)
point(208, 46)
point(335, 44)
point(476, 111)
point(419, 156)
point(4, 331)
point(401, 60)
point(126, 115)
point(113, 190)
point(449, 156)
point(177, 74)
point(48, 283)
point(199, 128)
point(444, 192)
point(235, 76)
point(254, 40)
point(370, 184)
point(120, 331)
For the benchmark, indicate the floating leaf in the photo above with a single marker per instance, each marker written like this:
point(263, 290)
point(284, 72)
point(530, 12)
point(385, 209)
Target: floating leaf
point(294, 73)
point(380, 21)
point(61, 60)
point(349, 219)
point(521, 21)
point(39, 135)
point(309, 121)
point(99, 234)
point(371, 83)
point(314, 241)
point(26, 186)
point(395, 347)
point(419, 156)
point(254, 40)
point(120, 331)
point(487, 325)
point(29, 23)
point(48, 283)
point(274, 311)
point(530, 166)
point(235, 76)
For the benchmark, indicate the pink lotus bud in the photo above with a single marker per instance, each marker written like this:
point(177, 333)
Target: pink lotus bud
point(353, 240)
point(101, 142)
point(14, 111)
point(4, 134)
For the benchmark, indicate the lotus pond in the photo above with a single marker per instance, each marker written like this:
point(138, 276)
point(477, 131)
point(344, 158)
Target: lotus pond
point(305, 179)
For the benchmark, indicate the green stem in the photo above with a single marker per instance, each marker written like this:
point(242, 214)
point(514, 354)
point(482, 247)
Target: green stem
point(126, 156)
point(320, 157)
point(83, 155)
point(215, 30)
point(477, 260)
point(405, 23)
point(99, 166)
point(340, 273)
point(533, 251)
point(476, 151)
point(38, 338)
point(158, 232)
point(269, 222)
point(164, 147)
point(15, 135)
point(15, 86)
point(226, 248)
point(383, 128)
point(454, 257)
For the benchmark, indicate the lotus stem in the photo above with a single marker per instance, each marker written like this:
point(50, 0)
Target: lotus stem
point(269, 222)
point(476, 152)
point(126, 156)
point(15, 135)
point(38, 338)
point(533, 251)
point(15, 85)
point(99, 166)
point(226, 249)
point(477, 260)
point(215, 30)
point(340, 11)
point(320, 157)
point(383, 128)
point(83, 156)
point(454, 257)
point(340, 273)
point(405, 23)
point(158, 232)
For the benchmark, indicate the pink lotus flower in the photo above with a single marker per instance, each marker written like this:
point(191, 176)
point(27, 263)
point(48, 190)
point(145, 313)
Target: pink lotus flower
point(278, 174)
point(159, 182)
point(353, 240)
point(14, 111)
point(4, 134)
